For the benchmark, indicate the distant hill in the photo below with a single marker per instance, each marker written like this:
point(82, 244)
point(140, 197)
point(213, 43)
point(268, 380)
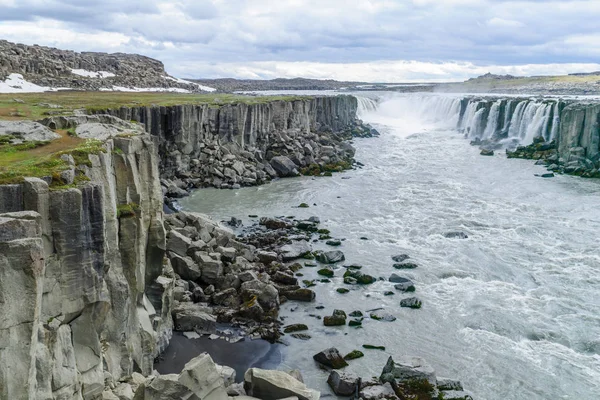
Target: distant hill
point(54, 68)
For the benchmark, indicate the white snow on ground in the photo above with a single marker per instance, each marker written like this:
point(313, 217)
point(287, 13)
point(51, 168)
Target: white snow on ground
point(201, 87)
point(139, 90)
point(92, 74)
point(15, 83)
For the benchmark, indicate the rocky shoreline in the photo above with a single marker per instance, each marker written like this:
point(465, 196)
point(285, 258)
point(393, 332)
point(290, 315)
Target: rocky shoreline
point(103, 277)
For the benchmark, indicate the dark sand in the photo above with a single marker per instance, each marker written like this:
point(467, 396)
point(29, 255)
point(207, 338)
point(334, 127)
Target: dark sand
point(239, 356)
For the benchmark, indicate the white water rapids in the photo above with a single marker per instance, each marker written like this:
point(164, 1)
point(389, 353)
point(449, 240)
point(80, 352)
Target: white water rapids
point(513, 311)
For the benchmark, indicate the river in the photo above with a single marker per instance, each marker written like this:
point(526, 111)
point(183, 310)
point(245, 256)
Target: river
point(513, 311)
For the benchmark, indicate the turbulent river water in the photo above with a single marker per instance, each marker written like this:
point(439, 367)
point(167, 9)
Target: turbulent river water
point(513, 311)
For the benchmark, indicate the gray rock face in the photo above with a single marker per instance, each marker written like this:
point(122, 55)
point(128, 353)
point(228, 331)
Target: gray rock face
point(378, 392)
point(90, 285)
point(47, 66)
point(331, 358)
point(26, 131)
point(190, 317)
point(284, 166)
point(274, 385)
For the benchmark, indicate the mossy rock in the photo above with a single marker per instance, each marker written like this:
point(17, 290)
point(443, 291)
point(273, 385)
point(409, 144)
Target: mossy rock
point(326, 280)
point(353, 355)
point(303, 205)
point(326, 272)
point(334, 320)
point(356, 314)
point(309, 283)
point(295, 328)
point(355, 323)
point(342, 290)
point(373, 347)
point(323, 231)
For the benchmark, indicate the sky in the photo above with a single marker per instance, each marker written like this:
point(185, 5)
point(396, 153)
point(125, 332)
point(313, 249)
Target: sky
point(358, 40)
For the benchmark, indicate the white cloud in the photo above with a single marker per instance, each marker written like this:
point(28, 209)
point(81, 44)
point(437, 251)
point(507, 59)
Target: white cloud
point(504, 23)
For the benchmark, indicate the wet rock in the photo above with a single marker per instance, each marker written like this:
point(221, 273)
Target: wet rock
point(456, 395)
point(299, 295)
point(343, 383)
point(449, 384)
point(355, 323)
point(549, 175)
point(487, 152)
point(330, 358)
point(295, 250)
point(295, 328)
point(334, 243)
point(190, 317)
point(373, 347)
point(378, 392)
point(274, 385)
point(326, 272)
point(303, 205)
point(381, 316)
point(361, 279)
point(274, 223)
point(337, 319)
point(456, 235)
point(353, 355)
point(408, 368)
point(284, 278)
point(404, 285)
point(301, 336)
point(284, 167)
point(331, 257)
point(266, 257)
point(411, 302)
point(400, 258)
point(234, 222)
point(356, 314)
point(342, 290)
point(405, 265)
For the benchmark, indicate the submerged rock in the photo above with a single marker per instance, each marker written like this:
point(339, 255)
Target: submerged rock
point(456, 235)
point(400, 258)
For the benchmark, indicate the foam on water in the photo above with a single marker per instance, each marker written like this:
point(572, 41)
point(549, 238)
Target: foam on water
point(513, 311)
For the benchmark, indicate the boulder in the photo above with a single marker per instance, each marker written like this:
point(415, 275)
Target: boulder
point(295, 250)
point(227, 373)
point(164, 387)
point(331, 257)
point(378, 392)
point(27, 131)
point(274, 385)
point(284, 278)
point(411, 302)
point(190, 317)
point(400, 258)
point(185, 267)
point(299, 294)
point(201, 376)
point(284, 167)
point(381, 316)
point(408, 368)
point(331, 358)
point(404, 285)
point(343, 383)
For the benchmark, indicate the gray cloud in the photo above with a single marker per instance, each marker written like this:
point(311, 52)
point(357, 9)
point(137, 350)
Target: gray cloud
point(484, 32)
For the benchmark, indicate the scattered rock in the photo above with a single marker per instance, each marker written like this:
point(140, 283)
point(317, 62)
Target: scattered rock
point(334, 243)
point(405, 265)
point(353, 355)
point(456, 235)
point(407, 368)
point(404, 285)
point(295, 328)
point(487, 152)
point(400, 258)
point(331, 358)
point(342, 290)
point(343, 383)
point(274, 385)
point(411, 302)
point(372, 347)
point(331, 257)
point(380, 316)
point(326, 272)
point(301, 336)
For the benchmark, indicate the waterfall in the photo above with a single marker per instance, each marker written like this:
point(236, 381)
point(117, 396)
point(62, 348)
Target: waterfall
point(365, 105)
point(512, 120)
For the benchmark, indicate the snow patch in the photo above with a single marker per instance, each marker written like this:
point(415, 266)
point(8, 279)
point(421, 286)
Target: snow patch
point(92, 74)
point(15, 83)
point(139, 90)
point(201, 87)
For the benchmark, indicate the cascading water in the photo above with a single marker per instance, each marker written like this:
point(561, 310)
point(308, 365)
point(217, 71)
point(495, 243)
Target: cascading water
point(365, 105)
point(499, 120)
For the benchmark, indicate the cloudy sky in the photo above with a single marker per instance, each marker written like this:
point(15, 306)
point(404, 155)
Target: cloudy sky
point(365, 40)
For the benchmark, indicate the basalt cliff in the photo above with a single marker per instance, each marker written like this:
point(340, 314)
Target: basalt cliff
point(94, 278)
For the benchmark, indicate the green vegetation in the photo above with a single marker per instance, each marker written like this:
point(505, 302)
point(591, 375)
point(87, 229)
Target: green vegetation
point(127, 210)
point(32, 107)
point(42, 159)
